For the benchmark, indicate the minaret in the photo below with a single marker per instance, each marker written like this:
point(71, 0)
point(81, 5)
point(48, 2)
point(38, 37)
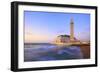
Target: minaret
point(71, 30)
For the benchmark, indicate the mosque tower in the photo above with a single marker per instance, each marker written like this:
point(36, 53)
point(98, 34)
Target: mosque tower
point(71, 30)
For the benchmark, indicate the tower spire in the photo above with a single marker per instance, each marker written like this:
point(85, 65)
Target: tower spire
point(71, 30)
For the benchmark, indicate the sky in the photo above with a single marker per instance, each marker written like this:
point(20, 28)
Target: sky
point(44, 27)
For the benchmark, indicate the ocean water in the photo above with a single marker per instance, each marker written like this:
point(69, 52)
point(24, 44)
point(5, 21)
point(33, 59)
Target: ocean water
point(47, 52)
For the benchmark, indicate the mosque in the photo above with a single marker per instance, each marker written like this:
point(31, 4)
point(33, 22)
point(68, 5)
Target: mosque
point(68, 39)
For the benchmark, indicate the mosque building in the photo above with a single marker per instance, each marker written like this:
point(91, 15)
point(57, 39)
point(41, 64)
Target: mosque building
point(68, 39)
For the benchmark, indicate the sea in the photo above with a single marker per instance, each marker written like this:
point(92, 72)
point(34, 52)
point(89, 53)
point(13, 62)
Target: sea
point(49, 52)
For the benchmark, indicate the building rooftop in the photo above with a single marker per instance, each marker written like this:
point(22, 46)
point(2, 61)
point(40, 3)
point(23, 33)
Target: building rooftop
point(64, 35)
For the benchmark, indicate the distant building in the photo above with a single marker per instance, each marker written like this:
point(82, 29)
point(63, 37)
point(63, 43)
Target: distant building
point(69, 39)
point(63, 39)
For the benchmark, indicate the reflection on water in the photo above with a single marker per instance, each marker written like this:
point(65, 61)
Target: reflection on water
point(45, 52)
